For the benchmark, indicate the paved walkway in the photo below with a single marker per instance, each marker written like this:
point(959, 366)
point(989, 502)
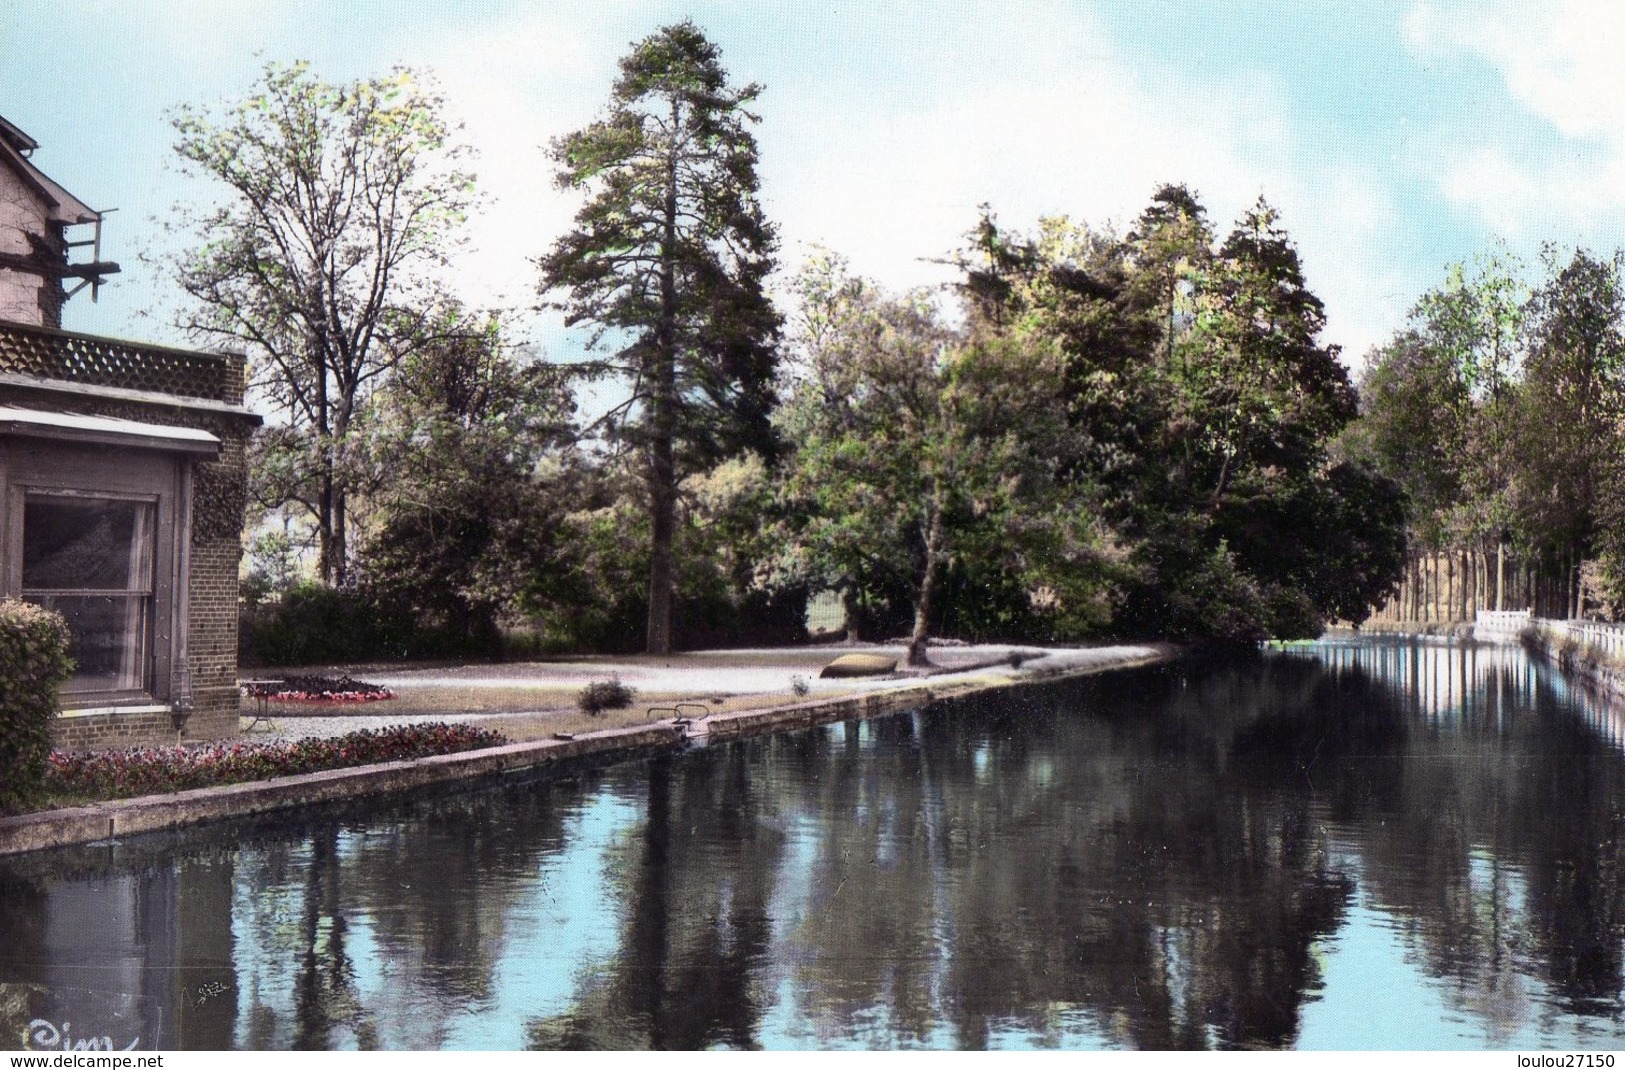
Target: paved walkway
point(534, 697)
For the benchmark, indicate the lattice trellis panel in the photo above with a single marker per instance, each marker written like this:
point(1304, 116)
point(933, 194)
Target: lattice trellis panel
point(81, 358)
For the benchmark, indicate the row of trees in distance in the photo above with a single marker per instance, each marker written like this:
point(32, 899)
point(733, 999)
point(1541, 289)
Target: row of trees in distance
point(1499, 408)
point(1092, 434)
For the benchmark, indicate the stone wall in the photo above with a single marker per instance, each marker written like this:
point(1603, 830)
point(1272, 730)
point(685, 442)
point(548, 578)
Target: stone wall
point(23, 222)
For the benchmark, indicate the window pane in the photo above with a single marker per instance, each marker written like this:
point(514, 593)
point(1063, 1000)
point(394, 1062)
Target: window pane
point(109, 644)
point(87, 544)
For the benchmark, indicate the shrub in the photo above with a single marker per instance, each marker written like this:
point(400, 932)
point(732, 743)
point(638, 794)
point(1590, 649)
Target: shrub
point(312, 624)
point(602, 695)
point(33, 664)
point(151, 770)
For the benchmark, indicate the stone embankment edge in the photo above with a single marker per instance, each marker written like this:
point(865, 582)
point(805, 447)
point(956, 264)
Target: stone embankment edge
point(151, 813)
point(1606, 680)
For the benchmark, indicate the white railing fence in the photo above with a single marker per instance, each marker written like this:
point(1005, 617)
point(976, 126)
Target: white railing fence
point(1505, 625)
point(1606, 639)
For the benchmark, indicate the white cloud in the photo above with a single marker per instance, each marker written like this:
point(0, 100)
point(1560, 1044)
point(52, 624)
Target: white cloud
point(1079, 131)
point(1561, 64)
point(513, 88)
point(1562, 60)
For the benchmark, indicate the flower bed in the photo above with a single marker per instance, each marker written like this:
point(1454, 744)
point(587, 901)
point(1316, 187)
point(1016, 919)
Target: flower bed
point(320, 689)
point(154, 770)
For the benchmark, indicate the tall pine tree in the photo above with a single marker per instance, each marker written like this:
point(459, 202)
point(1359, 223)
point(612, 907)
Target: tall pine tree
point(667, 261)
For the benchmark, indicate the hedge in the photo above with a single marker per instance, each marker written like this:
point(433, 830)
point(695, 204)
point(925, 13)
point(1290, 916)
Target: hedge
point(34, 662)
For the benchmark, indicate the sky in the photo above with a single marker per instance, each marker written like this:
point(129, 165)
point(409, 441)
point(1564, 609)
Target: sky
point(1394, 137)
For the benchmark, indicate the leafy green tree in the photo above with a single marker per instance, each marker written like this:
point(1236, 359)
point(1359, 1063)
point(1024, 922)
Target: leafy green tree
point(598, 591)
point(1570, 403)
point(914, 448)
point(1205, 407)
point(1271, 393)
point(667, 261)
point(1474, 323)
point(1439, 413)
point(1169, 250)
point(341, 203)
point(1417, 410)
point(1610, 543)
point(475, 444)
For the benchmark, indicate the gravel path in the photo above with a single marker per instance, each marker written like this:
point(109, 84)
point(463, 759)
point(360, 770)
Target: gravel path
point(730, 672)
point(275, 727)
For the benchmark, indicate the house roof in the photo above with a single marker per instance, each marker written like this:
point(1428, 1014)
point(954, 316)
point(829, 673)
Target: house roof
point(64, 207)
point(105, 431)
point(16, 138)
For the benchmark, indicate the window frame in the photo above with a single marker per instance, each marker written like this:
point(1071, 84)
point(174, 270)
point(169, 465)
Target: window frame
point(160, 477)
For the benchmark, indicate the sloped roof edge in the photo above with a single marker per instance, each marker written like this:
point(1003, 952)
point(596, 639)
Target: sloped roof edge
point(65, 207)
point(105, 431)
point(10, 132)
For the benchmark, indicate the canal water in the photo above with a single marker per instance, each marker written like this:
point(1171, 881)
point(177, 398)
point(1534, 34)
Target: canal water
point(1363, 844)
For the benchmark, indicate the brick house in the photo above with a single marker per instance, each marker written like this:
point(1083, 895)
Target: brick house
point(122, 485)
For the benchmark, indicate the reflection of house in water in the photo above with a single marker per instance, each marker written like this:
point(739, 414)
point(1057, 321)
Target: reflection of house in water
point(129, 953)
point(123, 484)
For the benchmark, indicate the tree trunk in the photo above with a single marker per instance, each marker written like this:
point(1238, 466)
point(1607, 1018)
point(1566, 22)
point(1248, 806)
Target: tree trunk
point(1450, 592)
point(662, 526)
point(849, 611)
point(1415, 613)
point(928, 585)
point(1433, 586)
point(663, 425)
point(324, 530)
point(1469, 580)
point(1579, 587)
point(340, 540)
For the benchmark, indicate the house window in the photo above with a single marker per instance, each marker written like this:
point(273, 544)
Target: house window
point(91, 558)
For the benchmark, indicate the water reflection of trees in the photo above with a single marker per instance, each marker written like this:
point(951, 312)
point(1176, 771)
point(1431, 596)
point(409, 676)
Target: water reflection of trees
point(1494, 834)
point(988, 870)
point(696, 882)
point(1158, 859)
point(388, 933)
point(1155, 859)
point(1487, 824)
point(1132, 868)
point(117, 945)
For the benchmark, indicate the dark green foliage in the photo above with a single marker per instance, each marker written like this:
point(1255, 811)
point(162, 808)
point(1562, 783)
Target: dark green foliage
point(1610, 544)
point(599, 592)
point(475, 443)
point(667, 262)
point(1415, 402)
point(919, 449)
point(316, 625)
point(1206, 407)
point(34, 662)
point(1498, 410)
point(601, 695)
point(1570, 401)
point(1126, 436)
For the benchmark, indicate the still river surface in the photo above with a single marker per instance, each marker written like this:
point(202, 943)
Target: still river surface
point(1364, 844)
